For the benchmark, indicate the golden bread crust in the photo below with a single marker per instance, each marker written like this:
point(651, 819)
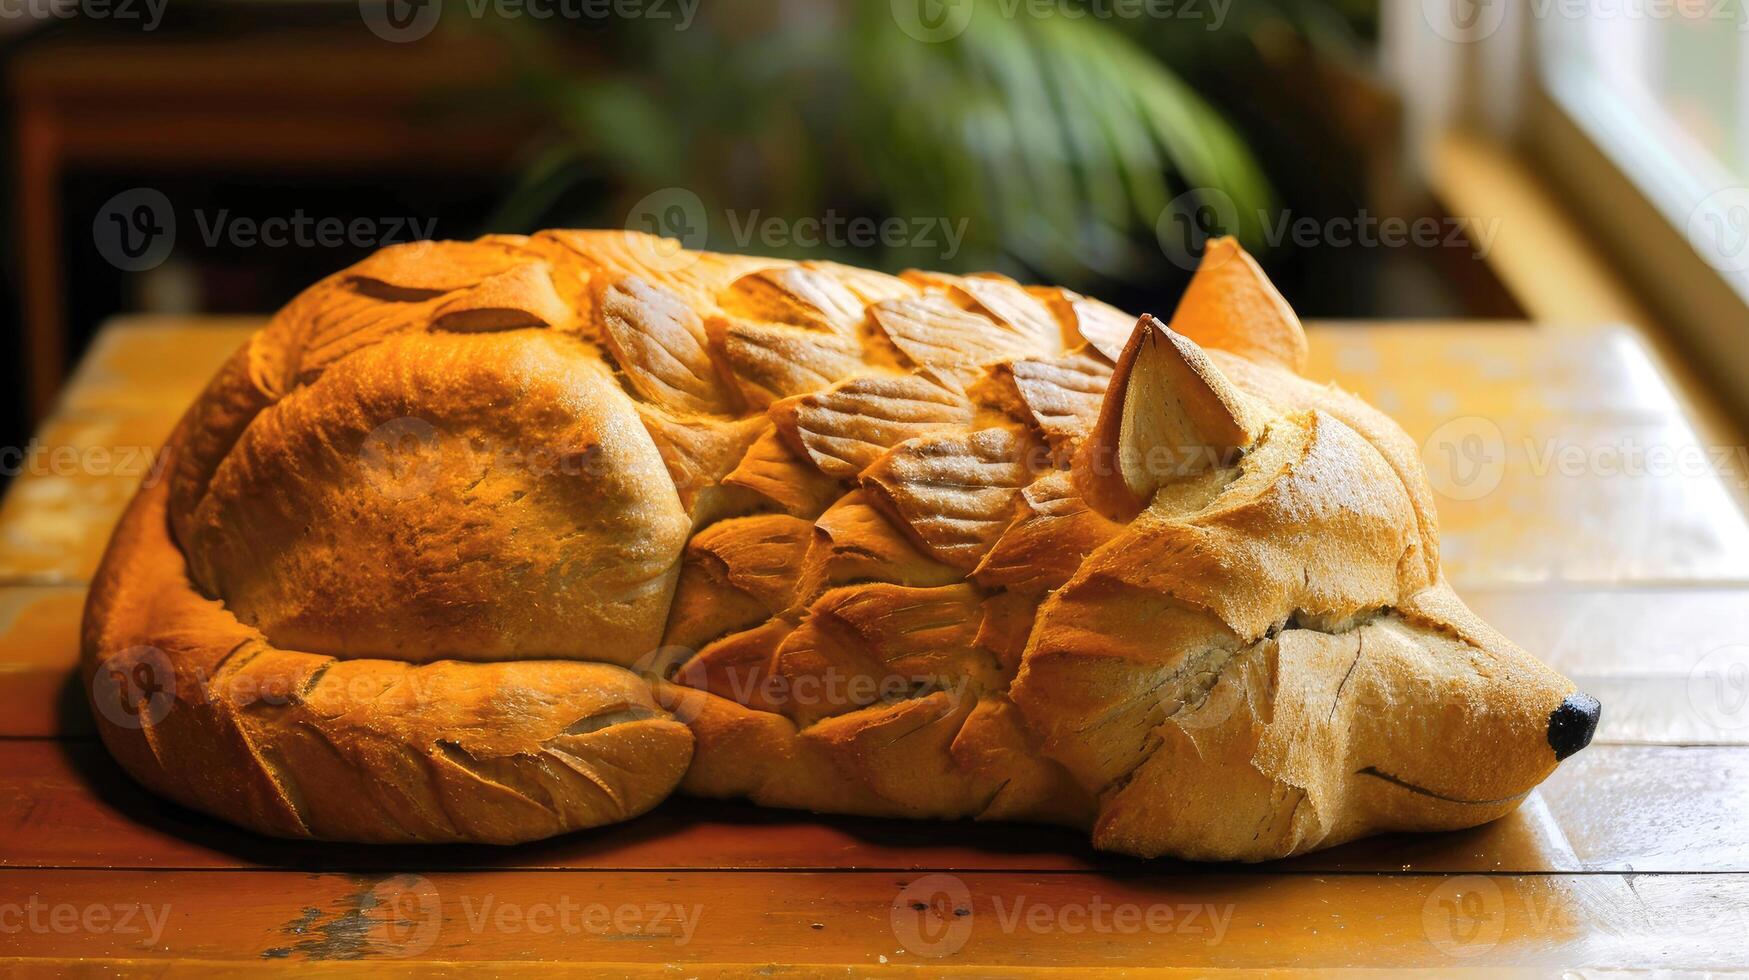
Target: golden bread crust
point(305, 745)
point(926, 546)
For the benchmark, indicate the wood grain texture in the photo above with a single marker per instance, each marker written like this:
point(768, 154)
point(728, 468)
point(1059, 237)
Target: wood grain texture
point(102, 440)
point(1636, 584)
point(1654, 808)
point(39, 656)
point(1209, 921)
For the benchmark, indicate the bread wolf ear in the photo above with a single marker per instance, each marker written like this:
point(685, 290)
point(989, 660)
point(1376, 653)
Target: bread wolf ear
point(1169, 413)
point(1231, 305)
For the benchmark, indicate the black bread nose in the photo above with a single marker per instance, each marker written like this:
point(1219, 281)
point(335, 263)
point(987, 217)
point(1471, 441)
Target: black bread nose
point(1572, 724)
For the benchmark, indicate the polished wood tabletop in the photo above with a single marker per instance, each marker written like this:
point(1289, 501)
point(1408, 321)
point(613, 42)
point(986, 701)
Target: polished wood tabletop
point(1581, 514)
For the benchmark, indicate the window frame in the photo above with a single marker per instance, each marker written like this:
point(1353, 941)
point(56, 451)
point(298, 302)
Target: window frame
point(1630, 189)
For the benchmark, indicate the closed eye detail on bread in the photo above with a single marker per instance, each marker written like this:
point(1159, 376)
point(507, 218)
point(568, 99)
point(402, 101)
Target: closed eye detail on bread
point(497, 540)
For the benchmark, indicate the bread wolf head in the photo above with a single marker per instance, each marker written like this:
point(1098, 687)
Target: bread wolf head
point(1266, 656)
point(495, 540)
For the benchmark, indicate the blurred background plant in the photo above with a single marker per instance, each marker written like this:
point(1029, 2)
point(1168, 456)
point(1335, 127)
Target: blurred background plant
point(1090, 143)
point(1079, 147)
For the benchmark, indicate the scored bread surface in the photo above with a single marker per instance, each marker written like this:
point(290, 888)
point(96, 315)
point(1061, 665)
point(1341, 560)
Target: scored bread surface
point(494, 540)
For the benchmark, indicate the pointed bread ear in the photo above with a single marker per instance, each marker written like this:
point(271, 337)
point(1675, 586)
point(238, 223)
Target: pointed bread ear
point(1231, 305)
point(1168, 413)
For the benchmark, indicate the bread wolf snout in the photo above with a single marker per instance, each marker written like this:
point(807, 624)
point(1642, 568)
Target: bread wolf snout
point(1311, 738)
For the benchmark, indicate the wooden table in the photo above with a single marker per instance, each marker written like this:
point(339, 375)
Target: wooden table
point(1632, 579)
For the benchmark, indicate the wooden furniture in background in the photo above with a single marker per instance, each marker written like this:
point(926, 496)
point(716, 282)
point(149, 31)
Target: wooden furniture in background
point(311, 102)
point(1631, 579)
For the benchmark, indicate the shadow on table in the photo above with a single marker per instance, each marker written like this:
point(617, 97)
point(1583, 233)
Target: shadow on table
point(131, 827)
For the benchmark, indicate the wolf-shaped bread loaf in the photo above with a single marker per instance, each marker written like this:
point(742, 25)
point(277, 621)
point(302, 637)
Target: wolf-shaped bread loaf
point(495, 540)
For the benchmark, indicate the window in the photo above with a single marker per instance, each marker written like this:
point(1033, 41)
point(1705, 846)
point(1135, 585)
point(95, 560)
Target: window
point(1662, 88)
